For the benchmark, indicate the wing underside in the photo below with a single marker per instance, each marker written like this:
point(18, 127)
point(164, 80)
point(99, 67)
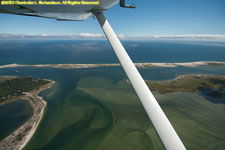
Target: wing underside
point(65, 12)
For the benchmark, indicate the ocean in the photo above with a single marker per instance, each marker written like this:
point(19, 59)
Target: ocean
point(89, 52)
point(95, 108)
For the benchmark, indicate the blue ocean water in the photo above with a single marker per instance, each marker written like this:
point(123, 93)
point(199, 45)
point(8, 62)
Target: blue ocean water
point(71, 51)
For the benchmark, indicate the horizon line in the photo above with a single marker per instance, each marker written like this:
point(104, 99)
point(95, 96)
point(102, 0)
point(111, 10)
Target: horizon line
point(83, 36)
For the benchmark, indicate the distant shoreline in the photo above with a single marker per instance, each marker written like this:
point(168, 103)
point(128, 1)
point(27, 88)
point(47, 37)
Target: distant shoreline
point(22, 135)
point(74, 66)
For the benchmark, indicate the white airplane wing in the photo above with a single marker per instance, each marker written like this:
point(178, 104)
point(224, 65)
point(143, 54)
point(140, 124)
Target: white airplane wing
point(73, 10)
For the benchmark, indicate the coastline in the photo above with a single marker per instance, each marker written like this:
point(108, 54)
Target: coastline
point(74, 66)
point(190, 83)
point(22, 135)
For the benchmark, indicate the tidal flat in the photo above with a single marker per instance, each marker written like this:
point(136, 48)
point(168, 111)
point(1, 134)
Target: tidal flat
point(99, 110)
point(198, 122)
point(96, 108)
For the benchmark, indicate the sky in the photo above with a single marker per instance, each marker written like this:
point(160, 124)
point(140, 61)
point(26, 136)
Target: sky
point(151, 17)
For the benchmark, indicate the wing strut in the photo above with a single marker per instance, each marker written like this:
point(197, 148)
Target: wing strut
point(164, 129)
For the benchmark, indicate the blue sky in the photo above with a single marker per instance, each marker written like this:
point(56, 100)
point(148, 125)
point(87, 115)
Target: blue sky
point(151, 17)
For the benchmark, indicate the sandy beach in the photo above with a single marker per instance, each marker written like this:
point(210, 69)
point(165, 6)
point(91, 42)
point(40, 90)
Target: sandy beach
point(71, 66)
point(21, 136)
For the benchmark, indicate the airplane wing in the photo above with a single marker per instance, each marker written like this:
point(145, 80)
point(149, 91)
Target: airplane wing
point(62, 10)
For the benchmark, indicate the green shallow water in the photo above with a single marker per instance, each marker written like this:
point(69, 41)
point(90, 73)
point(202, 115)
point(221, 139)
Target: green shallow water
point(199, 123)
point(104, 113)
point(97, 109)
point(80, 119)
